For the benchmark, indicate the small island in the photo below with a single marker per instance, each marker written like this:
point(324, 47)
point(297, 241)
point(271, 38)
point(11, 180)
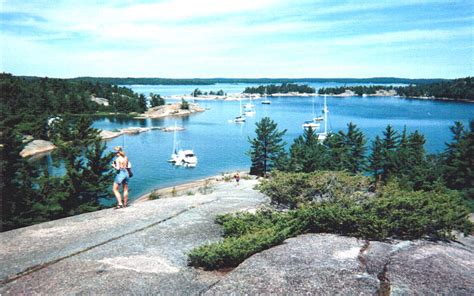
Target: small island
point(284, 88)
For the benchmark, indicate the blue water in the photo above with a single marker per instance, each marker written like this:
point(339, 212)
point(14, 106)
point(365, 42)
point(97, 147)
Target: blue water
point(221, 146)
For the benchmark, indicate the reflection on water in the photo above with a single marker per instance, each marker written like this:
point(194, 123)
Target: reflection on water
point(221, 146)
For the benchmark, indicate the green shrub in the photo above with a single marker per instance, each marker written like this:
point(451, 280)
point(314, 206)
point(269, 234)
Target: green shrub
point(154, 195)
point(239, 224)
point(294, 189)
point(391, 213)
point(233, 250)
point(420, 214)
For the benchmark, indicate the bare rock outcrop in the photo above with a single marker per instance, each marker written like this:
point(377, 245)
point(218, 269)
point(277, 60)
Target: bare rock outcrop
point(171, 110)
point(37, 146)
point(106, 135)
point(327, 264)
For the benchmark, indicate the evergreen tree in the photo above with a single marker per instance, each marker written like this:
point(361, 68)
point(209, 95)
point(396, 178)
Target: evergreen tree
point(376, 160)
point(156, 100)
point(142, 103)
point(16, 186)
point(390, 144)
point(337, 151)
point(459, 160)
point(355, 146)
point(307, 154)
point(266, 148)
point(184, 104)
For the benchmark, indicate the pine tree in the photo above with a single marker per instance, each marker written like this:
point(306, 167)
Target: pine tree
point(16, 186)
point(355, 145)
point(338, 151)
point(459, 160)
point(376, 160)
point(142, 103)
point(390, 144)
point(307, 154)
point(266, 148)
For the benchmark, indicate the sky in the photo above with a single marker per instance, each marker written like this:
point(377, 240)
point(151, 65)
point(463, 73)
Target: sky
point(243, 38)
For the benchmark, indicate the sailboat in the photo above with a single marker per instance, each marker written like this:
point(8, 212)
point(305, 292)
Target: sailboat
point(265, 100)
point(241, 117)
point(323, 136)
point(313, 124)
point(249, 108)
point(180, 157)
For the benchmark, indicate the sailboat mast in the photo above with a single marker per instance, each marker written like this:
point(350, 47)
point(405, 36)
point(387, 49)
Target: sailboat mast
point(325, 116)
point(174, 138)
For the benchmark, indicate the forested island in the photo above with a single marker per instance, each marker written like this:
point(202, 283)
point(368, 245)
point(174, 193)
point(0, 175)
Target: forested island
point(284, 88)
point(457, 89)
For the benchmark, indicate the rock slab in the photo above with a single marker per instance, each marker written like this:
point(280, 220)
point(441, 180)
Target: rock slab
point(36, 147)
point(328, 264)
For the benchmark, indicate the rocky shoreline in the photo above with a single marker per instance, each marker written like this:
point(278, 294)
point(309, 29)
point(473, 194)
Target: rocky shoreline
point(347, 93)
point(170, 110)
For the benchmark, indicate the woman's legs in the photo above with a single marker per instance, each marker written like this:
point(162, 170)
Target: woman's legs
point(125, 193)
point(116, 191)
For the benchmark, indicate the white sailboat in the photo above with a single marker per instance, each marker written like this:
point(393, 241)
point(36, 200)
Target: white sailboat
point(180, 157)
point(313, 124)
point(322, 136)
point(241, 117)
point(265, 100)
point(249, 108)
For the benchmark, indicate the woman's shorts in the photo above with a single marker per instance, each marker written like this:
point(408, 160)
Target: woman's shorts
point(121, 177)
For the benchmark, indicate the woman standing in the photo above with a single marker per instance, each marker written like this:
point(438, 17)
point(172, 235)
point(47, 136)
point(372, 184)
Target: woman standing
point(121, 164)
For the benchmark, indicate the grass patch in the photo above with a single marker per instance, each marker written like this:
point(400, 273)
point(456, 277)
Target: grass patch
point(206, 188)
point(154, 195)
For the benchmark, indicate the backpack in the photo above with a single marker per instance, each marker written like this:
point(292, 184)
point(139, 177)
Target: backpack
point(129, 169)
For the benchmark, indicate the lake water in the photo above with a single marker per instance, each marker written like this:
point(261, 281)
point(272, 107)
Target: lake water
point(221, 146)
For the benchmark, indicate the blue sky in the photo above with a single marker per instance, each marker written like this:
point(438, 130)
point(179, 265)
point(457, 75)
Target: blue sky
point(244, 38)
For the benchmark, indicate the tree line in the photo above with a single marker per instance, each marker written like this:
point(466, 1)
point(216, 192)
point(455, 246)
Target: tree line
point(460, 89)
point(283, 88)
point(197, 92)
